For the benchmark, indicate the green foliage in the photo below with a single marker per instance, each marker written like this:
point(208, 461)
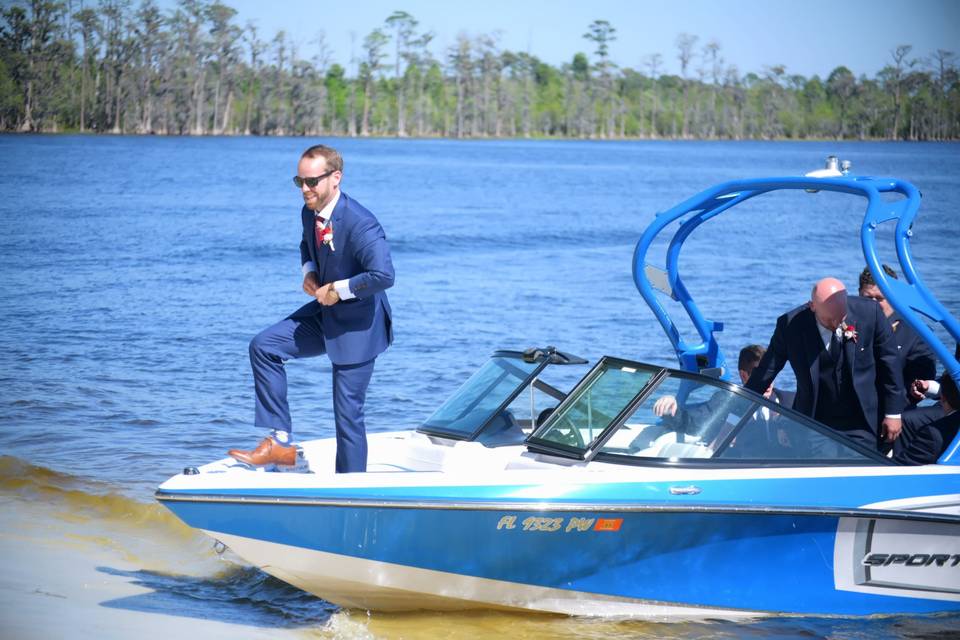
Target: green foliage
point(192, 69)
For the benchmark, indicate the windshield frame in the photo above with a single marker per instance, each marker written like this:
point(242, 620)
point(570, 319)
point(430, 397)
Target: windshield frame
point(523, 384)
point(540, 445)
point(592, 450)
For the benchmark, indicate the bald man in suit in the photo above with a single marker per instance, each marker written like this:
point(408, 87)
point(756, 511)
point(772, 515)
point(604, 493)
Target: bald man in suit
point(844, 357)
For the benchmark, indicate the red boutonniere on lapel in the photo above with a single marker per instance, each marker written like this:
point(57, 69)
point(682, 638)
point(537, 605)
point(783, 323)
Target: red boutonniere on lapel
point(326, 233)
point(849, 332)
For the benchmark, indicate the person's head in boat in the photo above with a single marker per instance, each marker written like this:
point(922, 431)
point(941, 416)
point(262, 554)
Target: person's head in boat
point(828, 301)
point(869, 288)
point(750, 357)
point(318, 176)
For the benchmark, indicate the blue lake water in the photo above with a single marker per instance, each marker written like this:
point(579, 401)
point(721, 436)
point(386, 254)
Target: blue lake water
point(135, 270)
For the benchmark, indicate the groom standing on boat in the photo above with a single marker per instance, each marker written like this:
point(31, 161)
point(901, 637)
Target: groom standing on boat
point(844, 356)
point(346, 267)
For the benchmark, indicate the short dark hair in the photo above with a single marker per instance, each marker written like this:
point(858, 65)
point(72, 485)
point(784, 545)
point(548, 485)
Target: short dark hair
point(948, 391)
point(866, 278)
point(332, 156)
point(749, 355)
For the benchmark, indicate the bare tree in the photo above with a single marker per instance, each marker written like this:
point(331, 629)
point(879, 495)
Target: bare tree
point(652, 62)
point(943, 67)
point(87, 21)
point(685, 43)
point(321, 63)
point(251, 90)
point(900, 64)
point(490, 64)
point(601, 33)
point(460, 56)
point(404, 26)
point(225, 56)
point(711, 57)
point(373, 46)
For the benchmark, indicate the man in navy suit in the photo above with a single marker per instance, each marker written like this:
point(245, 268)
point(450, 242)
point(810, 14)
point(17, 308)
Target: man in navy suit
point(346, 267)
point(925, 443)
point(916, 359)
point(844, 358)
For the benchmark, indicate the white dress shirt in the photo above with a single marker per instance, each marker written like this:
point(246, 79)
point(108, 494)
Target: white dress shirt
point(342, 286)
point(826, 335)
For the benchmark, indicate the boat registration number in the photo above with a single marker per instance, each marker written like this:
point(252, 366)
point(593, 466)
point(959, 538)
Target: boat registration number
point(567, 525)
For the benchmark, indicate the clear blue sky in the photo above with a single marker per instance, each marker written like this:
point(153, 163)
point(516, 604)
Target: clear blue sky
point(808, 36)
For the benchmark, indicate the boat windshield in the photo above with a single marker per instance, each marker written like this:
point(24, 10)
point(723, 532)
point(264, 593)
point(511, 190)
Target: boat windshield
point(483, 397)
point(634, 413)
point(593, 405)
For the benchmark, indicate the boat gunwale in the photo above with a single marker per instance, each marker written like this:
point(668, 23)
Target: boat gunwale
point(542, 506)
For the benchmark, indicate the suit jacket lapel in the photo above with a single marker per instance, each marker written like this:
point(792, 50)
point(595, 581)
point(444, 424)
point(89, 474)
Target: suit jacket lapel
point(311, 236)
point(850, 348)
point(323, 251)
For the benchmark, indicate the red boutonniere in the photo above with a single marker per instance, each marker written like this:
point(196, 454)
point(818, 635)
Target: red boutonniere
point(849, 332)
point(326, 234)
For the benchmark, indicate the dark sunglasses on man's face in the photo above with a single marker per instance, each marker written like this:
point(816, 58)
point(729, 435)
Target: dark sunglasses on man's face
point(311, 182)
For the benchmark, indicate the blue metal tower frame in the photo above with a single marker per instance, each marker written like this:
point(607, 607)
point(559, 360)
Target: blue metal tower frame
point(909, 296)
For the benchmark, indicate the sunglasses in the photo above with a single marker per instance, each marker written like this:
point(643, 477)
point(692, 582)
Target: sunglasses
point(311, 182)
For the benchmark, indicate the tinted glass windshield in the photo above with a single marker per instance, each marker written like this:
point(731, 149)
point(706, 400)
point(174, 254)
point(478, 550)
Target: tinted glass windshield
point(594, 404)
point(480, 397)
point(699, 418)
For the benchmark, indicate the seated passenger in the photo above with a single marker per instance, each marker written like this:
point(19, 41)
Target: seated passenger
point(750, 356)
point(917, 416)
point(929, 389)
point(924, 444)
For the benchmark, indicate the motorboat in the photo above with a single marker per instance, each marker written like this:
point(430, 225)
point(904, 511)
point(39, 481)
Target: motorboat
point(516, 494)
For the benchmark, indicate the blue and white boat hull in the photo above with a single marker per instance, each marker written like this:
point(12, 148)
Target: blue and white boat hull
point(621, 542)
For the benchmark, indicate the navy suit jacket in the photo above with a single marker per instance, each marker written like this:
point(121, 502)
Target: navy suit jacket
point(917, 361)
point(359, 329)
point(871, 361)
point(927, 443)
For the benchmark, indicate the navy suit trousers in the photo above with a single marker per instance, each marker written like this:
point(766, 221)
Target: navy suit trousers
point(302, 337)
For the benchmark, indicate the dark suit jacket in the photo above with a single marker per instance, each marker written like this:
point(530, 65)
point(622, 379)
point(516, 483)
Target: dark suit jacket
point(926, 444)
point(359, 329)
point(871, 361)
point(916, 359)
point(916, 417)
point(785, 398)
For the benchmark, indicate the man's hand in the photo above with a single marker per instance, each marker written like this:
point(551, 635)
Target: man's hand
point(665, 406)
point(891, 429)
point(918, 390)
point(310, 283)
point(327, 295)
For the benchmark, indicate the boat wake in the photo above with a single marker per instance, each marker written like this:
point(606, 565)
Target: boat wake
point(79, 499)
point(179, 565)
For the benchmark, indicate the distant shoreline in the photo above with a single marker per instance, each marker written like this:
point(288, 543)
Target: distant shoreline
point(340, 136)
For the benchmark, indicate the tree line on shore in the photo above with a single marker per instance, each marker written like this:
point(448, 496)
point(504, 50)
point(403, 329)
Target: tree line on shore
point(117, 68)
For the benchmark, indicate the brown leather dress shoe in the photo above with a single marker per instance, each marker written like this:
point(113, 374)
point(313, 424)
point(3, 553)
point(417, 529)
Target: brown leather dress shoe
point(267, 452)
